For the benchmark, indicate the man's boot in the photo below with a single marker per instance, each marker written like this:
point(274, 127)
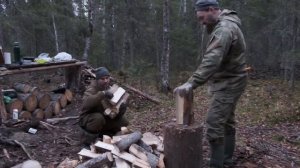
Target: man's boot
point(217, 153)
point(87, 138)
point(229, 145)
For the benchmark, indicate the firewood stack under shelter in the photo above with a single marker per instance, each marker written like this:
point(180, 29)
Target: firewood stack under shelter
point(125, 151)
point(33, 103)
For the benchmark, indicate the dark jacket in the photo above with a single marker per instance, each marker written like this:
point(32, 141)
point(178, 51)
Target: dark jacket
point(223, 63)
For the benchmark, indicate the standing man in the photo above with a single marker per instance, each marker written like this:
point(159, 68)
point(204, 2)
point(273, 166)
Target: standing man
point(92, 120)
point(223, 66)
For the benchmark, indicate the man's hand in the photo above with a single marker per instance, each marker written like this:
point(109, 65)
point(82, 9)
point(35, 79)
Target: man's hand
point(183, 89)
point(108, 94)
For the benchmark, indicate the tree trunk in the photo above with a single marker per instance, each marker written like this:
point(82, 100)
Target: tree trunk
point(166, 49)
point(295, 35)
point(90, 28)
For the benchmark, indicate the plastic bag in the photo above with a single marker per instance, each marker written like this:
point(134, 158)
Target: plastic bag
point(62, 56)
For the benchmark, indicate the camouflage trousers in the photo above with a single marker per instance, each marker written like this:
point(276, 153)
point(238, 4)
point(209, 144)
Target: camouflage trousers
point(220, 119)
point(96, 123)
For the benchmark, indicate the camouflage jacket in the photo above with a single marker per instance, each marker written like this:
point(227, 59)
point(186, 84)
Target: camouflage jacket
point(223, 64)
point(92, 99)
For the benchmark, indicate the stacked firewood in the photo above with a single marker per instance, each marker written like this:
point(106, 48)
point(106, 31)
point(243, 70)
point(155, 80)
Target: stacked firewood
point(33, 103)
point(125, 151)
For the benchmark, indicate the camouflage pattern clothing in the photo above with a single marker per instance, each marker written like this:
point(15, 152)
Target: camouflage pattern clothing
point(223, 67)
point(92, 118)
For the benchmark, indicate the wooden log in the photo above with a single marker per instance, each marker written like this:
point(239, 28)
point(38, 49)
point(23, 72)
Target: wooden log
point(38, 114)
point(52, 109)
point(144, 155)
point(69, 95)
point(100, 161)
point(25, 115)
point(125, 143)
point(142, 144)
point(34, 90)
point(87, 153)
point(105, 146)
point(29, 101)
point(21, 87)
point(14, 104)
point(61, 98)
point(184, 102)
point(183, 146)
point(43, 100)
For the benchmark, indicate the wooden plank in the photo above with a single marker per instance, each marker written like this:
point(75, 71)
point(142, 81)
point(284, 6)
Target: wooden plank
point(117, 96)
point(46, 67)
point(106, 139)
point(87, 153)
point(103, 145)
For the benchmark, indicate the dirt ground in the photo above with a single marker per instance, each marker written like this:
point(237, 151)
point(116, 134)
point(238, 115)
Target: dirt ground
point(258, 145)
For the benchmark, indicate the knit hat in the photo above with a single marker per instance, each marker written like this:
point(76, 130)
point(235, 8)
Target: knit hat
point(101, 72)
point(203, 4)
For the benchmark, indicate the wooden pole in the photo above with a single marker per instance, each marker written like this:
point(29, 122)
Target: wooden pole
point(183, 146)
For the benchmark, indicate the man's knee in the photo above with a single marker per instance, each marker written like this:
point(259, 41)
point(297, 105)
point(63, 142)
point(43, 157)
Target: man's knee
point(93, 123)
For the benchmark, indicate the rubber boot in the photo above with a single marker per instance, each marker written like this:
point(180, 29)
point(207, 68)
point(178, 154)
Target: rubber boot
point(87, 138)
point(217, 153)
point(229, 144)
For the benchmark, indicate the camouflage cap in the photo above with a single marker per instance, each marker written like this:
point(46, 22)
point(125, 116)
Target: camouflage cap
point(203, 4)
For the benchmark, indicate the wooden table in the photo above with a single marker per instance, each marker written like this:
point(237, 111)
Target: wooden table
point(72, 75)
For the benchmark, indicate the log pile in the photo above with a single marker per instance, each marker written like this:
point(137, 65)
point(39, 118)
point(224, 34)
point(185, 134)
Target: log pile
point(125, 151)
point(33, 103)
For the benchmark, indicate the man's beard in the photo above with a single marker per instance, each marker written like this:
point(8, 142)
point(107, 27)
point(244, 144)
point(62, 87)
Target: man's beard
point(211, 24)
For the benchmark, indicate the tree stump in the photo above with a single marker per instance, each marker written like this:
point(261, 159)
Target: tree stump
point(183, 146)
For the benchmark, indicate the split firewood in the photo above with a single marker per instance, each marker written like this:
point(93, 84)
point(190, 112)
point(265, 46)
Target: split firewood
point(57, 120)
point(14, 104)
point(23, 88)
point(124, 130)
point(144, 155)
point(120, 163)
point(132, 159)
point(142, 144)
point(68, 163)
point(105, 146)
point(43, 100)
point(113, 110)
point(125, 143)
point(184, 102)
point(99, 161)
point(118, 137)
point(106, 139)
point(28, 164)
point(29, 100)
point(117, 96)
point(88, 154)
point(151, 139)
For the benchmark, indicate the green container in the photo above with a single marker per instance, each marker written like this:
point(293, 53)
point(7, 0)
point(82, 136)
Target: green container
point(17, 53)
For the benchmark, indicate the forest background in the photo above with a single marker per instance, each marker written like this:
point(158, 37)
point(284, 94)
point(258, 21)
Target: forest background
point(159, 40)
